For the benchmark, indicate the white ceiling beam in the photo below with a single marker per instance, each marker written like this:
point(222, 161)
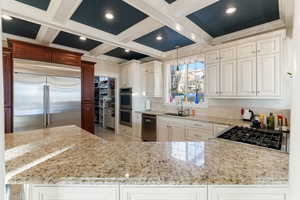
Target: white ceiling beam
point(182, 8)
point(28, 13)
point(101, 49)
point(159, 10)
point(61, 10)
point(46, 35)
point(140, 29)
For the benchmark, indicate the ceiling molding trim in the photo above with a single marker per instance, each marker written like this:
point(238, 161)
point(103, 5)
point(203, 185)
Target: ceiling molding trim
point(271, 26)
point(46, 35)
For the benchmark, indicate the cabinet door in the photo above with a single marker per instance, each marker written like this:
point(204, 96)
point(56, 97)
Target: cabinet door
point(246, 81)
point(163, 132)
point(247, 50)
point(269, 46)
point(212, 79)
point(228, 78)
point(177, 133)
point(212, 57)
point(228, 54)
point(124, 76)
point(149, 84)
point(247, 193)
point(268, 75)
point(163, 193)
point(74, 193)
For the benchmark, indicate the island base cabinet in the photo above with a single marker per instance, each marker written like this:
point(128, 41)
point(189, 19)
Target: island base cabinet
point(163, 192)
point(247, 193)
point(72, 192)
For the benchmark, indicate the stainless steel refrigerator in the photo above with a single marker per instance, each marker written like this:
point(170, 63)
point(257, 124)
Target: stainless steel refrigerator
point(42, 101)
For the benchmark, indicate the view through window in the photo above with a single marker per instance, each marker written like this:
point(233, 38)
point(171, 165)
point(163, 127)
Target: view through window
point(187, 83)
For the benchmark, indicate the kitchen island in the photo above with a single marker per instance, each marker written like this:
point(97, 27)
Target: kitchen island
point(54, 163)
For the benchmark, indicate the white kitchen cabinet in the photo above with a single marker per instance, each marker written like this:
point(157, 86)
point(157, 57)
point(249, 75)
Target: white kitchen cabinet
point(268, 75)
point(246, 50)
point(247, 193)
point(124, 77)
point(72, 192)
point(212, 79)
point(176, 132)
point(198, 131)
point(152, 79)
point(163, 192)
point(227, 54)
point(130, 76)
point(246, 77)
point(268, 46)
point(137, 125)
point(212, 57)
point(163, 132)
point(228, 78)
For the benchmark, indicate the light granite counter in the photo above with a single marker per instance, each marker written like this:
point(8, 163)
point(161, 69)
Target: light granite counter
point(70, 155)
point(209, 119)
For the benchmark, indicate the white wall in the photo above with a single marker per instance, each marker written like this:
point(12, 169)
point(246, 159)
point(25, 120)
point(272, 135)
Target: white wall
point(1, 118)
point(294, 171)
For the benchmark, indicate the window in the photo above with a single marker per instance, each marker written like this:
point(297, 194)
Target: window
point(186, 83)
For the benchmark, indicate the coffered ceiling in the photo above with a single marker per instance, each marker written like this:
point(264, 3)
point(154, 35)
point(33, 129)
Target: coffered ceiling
point(105, 29)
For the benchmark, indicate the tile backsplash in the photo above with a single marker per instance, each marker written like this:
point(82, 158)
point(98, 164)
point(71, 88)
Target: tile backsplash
point(223, 110)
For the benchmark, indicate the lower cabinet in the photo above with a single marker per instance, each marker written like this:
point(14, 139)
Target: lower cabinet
point(156, 192)
point(137, 125)
point(163, 192)
point(247, 193)
point(72, 192)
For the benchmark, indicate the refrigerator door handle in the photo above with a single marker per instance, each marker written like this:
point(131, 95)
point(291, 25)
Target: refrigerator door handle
point(48, 105)
point(45, 107)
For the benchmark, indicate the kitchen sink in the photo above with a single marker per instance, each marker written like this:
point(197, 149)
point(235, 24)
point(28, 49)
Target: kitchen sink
point(176, 114)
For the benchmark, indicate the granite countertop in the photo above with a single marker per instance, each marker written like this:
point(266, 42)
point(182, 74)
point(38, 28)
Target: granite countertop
point(71, 155)
point(209, 119)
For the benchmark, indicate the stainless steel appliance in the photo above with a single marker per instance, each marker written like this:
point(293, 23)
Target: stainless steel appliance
point(42, 101)
point(126, 106)
point(149, 128)
point(126, 98)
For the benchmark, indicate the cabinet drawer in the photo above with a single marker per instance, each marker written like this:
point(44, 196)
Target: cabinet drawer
point(196, 134)
point(200, 125)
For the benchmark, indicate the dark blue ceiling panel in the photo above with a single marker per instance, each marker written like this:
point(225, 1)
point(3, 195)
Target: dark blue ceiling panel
point(170, 39)
point(214, 20)
point(71, 40)
point(120, 53)
point(41, 4)
point(170, 1)
point(92, 13)
point(21, 28)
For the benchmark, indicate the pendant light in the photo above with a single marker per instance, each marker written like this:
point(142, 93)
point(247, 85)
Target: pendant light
point(177, 69)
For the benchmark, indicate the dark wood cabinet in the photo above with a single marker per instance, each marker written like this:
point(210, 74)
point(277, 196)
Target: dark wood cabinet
point(24, 50)
point(8, 89)
point(88, 96)
point(66, 57)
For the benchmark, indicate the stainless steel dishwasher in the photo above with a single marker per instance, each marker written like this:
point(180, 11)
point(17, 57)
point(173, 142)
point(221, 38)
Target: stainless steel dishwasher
point(149, 128)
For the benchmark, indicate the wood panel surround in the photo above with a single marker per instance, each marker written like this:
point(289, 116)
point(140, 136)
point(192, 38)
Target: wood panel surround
point(25, 50)
point(87, 96)
point(8, 89)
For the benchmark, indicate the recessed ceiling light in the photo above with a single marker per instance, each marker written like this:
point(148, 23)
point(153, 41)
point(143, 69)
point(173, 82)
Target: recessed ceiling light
point(159, 37)
point(127, 50)
point(230, 10)
point(6, 17)
point(109, 16)
point(82, 38)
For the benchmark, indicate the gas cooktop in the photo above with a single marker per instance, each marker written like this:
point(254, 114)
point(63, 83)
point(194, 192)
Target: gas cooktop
point(265, 138)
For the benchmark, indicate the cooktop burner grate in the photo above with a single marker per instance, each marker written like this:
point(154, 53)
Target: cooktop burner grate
point(264, 138)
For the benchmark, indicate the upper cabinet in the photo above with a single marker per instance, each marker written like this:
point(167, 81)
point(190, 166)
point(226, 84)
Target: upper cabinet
point(152, 79)
point(251, 68)
point(130, 76)
point(212, 57)
point(246, 50)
